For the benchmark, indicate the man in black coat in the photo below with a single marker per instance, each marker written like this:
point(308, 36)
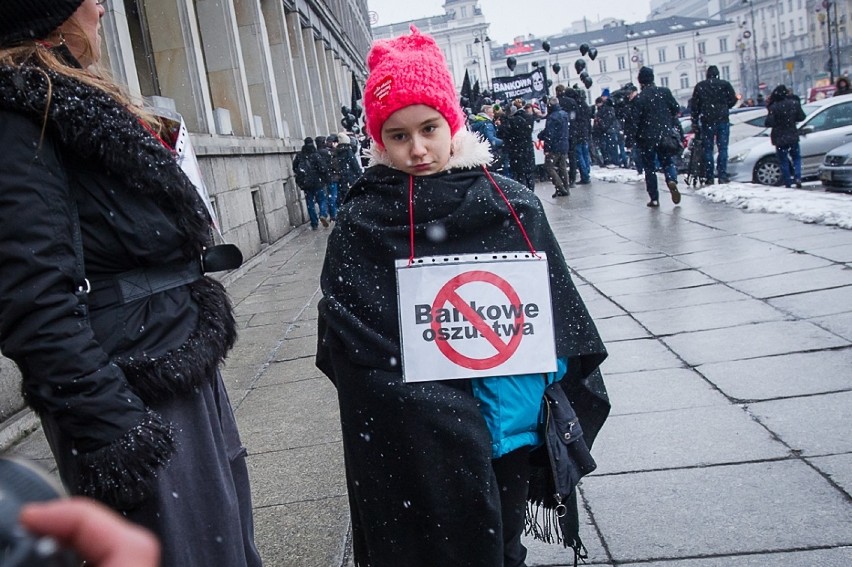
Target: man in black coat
point(569, 105)
point(711, 100)
point(785, 110)
point(516, 132)
point(557, 143)
point(655, 118)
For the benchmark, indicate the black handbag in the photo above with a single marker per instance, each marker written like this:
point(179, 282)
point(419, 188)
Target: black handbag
point(569, 455)
point(670, 144)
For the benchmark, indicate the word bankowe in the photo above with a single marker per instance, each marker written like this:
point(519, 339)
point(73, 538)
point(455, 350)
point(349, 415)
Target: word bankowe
point(477, 321)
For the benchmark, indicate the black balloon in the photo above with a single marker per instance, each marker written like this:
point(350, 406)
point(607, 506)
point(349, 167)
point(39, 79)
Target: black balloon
point(545, 45)
point(587, 81)
point(511, 63)
point(584, 48)
point(579, 65)
point(556, 67)
point(584, 73)
point(535, 64)
point(593, 52)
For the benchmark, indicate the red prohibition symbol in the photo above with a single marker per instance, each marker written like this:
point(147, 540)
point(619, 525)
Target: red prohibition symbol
point(448, 294)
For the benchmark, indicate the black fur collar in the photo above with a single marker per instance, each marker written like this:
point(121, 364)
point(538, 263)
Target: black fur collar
point(92, 125)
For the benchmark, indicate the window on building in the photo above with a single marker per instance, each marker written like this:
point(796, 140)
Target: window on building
point(681, 52)
point(702, 47)
point(621, 63)
point(723, 44)
point(684, 81)
point(782, 29)
point(725, 72)
point(790, 5)
point(661, 55)
point(469, 50)
point(464, 11)
point(602, 65)
point(799, 4)
point(664, 82)
point(781, 8)
point(801, 23)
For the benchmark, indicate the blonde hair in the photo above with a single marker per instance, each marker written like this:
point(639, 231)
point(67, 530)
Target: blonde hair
point(39, 55)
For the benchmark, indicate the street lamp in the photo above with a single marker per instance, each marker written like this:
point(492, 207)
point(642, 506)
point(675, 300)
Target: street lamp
point(753, 34)
point(695, 57)
point(481, 40)
point(628, 35)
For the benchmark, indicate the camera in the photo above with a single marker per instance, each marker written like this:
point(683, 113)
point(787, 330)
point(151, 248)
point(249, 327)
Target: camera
point(20, 483)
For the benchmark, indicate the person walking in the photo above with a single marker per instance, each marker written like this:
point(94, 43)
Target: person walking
point(104, 305)
point(785, 111)
point(440, 472)
point(518, 142)
point(348, 166)
point(309, 172)
point(654, 118)
point(569, 105)
point(581, 136)
point(557, 144)
point(711, 100)
point(327, 175)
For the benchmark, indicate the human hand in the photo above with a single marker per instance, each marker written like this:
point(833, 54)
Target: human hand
point(100, 536)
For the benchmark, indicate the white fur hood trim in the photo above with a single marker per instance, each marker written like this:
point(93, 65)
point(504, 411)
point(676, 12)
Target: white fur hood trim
point(469, 151)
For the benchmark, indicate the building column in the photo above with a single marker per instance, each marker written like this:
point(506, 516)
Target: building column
point(119, 48)
point(326, 61)
point(176, 50)
point(257, 58)
point(225, 67)
point(315, 81)
point(283, 67)
point(304, 87)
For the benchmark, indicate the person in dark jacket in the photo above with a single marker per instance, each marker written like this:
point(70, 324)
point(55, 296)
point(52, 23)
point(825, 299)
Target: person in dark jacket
point(324, 154)
point(518, 142)
point(440, 472)
point(348, 166)
point(310, 171)
point(842, 87)
point(569, 105)
point(655, 116)
point(557, 144)
point(581, 136)
point(711, 100)
point(785, 110)
point(607, 125)
point(104, 306)
point(483, 124)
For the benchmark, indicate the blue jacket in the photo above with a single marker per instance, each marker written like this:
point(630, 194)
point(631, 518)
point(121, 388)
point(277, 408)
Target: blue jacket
point(511, 406)
point(556, 133)
point(484, 126)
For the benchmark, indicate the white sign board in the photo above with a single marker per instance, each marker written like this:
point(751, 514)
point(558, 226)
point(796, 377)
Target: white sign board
point(475, 315)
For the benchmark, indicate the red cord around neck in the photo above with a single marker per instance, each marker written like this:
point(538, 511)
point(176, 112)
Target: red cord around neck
point(494, 183)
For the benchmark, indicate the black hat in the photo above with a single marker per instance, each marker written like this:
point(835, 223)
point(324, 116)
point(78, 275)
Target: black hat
point(309, 141)
point(320, 140)
point(646, 76)
point(712, 72)
point(21, 20)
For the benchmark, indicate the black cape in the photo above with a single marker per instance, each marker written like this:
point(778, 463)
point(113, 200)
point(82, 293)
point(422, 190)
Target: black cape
point(418, 456)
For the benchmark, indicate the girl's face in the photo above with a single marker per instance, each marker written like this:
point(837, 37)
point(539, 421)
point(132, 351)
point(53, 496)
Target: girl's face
point(417, 139)
point(81, 32)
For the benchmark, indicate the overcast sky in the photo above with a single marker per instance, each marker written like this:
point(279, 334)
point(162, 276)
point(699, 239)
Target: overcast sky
point(510, 18)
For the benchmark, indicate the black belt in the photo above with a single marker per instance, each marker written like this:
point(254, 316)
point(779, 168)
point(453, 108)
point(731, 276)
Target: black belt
point(143, 282)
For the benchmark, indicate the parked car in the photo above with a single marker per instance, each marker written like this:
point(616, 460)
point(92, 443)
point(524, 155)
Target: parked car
point(827, 125)
point(836, 169)
point(745, 123)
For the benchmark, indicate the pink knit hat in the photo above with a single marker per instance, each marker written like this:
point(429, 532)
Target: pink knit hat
point(408, 70)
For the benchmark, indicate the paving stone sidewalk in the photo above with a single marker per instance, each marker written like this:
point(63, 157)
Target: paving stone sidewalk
point(730, 373)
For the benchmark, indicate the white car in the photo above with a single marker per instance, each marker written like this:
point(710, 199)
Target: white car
point(827, 125)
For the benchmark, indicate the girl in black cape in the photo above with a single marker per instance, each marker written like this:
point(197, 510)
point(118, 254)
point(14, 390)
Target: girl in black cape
point(440, 472)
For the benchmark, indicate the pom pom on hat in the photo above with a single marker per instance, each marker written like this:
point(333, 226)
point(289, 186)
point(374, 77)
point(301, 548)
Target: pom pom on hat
point(404, 71)
point(21, 20)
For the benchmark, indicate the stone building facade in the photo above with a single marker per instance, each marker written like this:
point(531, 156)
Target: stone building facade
point(251, 78)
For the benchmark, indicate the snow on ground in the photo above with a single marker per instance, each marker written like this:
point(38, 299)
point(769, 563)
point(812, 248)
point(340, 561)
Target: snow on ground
point(810, 205)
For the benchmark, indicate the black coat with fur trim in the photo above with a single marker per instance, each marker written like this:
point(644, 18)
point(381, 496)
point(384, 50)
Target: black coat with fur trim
point(96, 376)
point(418, 455)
